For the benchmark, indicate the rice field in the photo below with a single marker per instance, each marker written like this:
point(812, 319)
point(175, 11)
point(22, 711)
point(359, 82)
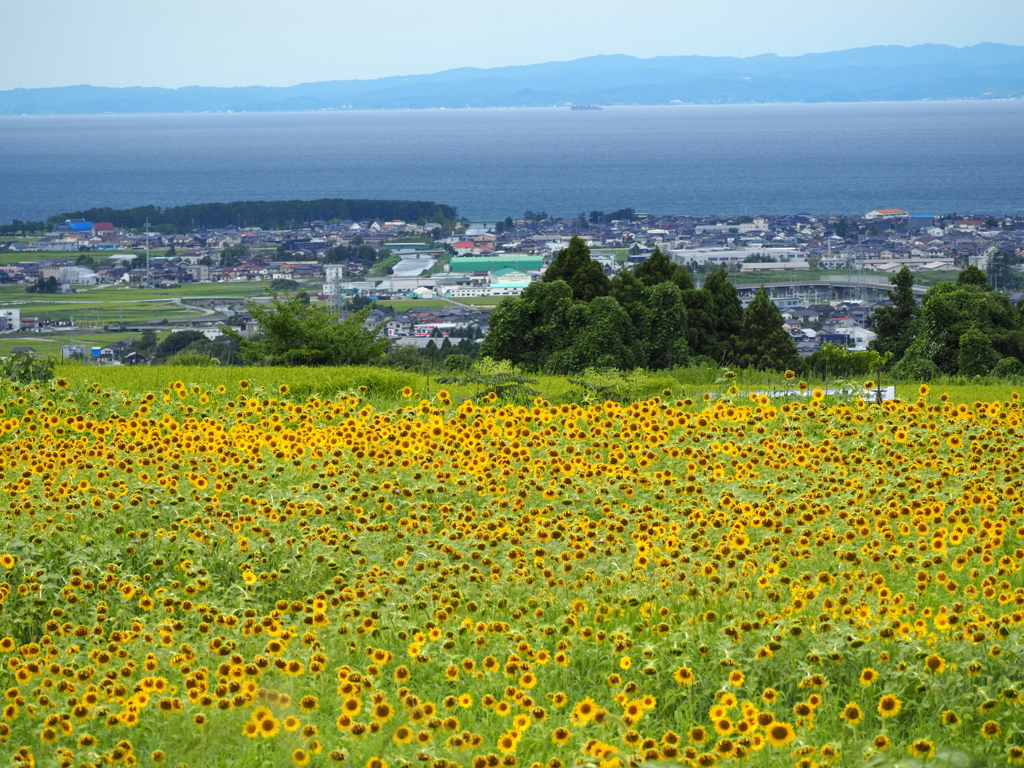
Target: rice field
point(230, 567)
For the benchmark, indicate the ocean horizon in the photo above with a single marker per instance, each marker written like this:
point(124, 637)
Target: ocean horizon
point(824, 158)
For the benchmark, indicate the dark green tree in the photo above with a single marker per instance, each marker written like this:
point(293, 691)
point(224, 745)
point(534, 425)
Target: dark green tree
point(701, 338)
point(664, 326)
point(764, 344)
point(603, 336)
point(972, 276)
point(295, 333)
point(976, 356)
point(725, 314)
point(458, 362)
point(146, 342)
point(655, 269)
point(44, 285)
point(681, 277)
point(896, 325)
point(528, 329)
point(626, 289)
point(584, 276)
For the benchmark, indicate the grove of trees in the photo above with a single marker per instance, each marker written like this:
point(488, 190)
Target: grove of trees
point(648, 317)
point(274, 214)
point(962, 328)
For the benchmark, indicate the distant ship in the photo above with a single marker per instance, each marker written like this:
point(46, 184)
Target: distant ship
point(586, 106)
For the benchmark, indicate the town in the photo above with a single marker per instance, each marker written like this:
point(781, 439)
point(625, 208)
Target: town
point(827, 274)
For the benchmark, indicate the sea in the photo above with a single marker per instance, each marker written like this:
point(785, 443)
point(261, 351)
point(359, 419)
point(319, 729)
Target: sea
point(927, 158)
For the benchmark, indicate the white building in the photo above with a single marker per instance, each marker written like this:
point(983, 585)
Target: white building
point(77, 276)
point(860, 336)
point(886, 214)
point(495, 289)
point(10, 319)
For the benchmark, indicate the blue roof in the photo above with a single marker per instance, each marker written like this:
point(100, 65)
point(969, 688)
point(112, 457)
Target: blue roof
point(80, 226)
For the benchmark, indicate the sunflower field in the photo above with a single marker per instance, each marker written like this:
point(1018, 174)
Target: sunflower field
point(235, 576)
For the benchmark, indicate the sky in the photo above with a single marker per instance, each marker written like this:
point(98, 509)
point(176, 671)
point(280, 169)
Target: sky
point(267, 42)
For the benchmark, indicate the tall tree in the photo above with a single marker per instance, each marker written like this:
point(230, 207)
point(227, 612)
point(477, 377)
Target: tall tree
point(655, 269)
point(764, 343)
point(896, 325)
point(726, 314)
point(584, 276)
point(700, 325)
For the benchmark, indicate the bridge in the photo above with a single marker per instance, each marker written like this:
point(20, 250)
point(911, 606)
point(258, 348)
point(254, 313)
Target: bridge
point(857, 287)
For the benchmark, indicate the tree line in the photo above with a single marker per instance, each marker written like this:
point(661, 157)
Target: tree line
point(274, 214)
point(652, 317)
point(24, 228)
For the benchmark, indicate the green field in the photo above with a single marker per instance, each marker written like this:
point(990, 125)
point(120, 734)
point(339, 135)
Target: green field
point(401, 305)
point(92, 313)
point(12, 257)
point(239, 290)
point(483, 301)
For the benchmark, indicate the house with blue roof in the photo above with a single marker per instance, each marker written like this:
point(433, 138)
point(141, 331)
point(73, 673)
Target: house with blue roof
point(74, 227)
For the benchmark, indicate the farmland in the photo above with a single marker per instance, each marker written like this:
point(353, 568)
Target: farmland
point(259, 567)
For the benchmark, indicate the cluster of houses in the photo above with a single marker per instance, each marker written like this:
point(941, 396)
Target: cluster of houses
point(843, 324)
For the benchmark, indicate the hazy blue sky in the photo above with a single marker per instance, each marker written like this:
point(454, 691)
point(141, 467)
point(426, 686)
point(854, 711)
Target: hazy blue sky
point(258, 42)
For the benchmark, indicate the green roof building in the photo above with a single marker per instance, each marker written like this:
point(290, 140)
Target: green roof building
point(521, 263)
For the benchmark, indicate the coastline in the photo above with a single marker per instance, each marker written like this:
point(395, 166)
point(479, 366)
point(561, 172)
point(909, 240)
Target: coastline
point(552, 107)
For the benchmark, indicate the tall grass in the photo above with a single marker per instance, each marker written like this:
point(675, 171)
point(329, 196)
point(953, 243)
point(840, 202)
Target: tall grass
point(385, 385)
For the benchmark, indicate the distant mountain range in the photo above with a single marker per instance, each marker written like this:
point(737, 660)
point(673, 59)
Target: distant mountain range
point(880, 73)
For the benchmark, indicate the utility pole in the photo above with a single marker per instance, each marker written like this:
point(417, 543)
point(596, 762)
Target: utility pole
point(149, 273)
